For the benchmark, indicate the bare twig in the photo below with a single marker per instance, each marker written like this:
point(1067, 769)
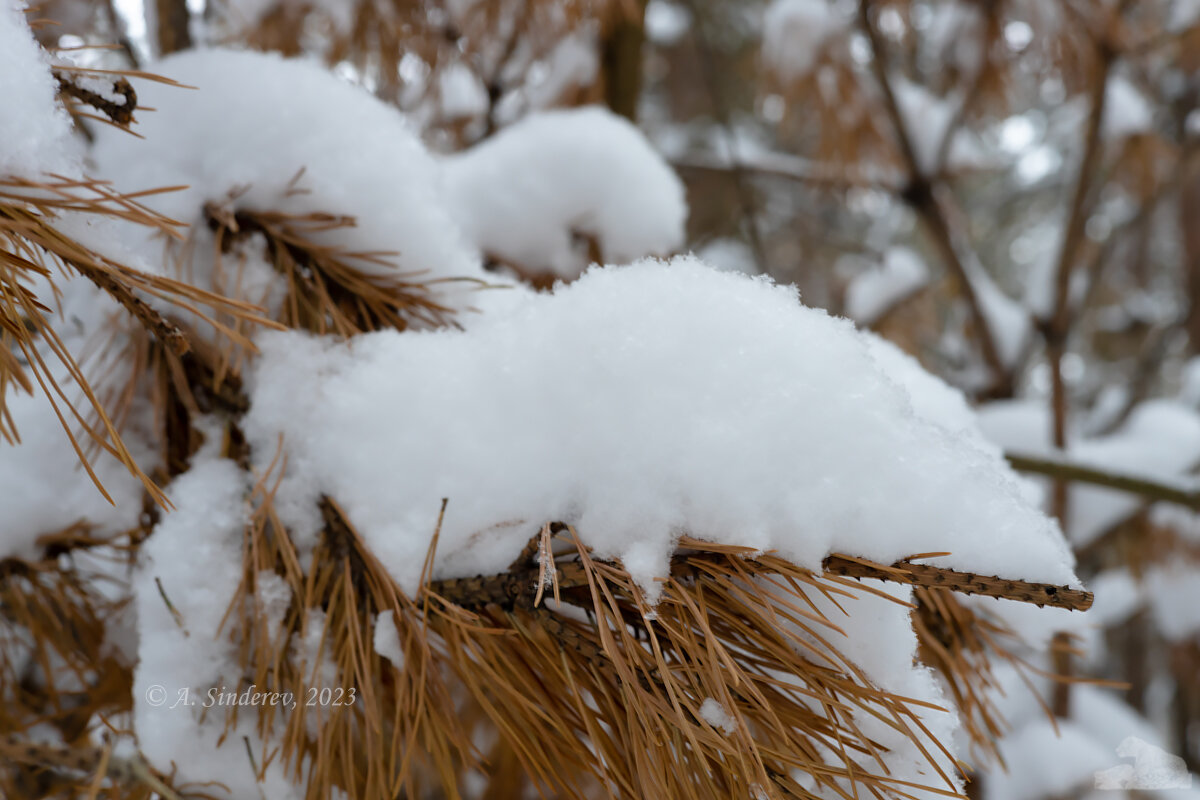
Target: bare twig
point(1057, 328)
point(920, 195)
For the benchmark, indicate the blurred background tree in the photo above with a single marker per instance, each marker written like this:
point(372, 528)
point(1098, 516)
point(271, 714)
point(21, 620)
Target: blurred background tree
point(1009, 190)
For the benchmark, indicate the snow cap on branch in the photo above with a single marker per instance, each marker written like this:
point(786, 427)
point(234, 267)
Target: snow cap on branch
point(267, 134)
point(527, 194)
point(638, 404)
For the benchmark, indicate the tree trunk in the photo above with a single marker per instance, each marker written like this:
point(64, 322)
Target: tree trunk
point(171, 26)
point(621, 58)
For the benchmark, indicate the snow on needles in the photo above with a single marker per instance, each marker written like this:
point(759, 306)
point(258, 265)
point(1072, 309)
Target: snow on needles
point(526, 193)
point(288, 136)
point(637, 403)
point(35, 132)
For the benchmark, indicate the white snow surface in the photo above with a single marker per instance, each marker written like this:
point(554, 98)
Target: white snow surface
point(35, 132)
point(288, 136)
point(638, 403)
point(45, 487)
point(192, 561)
point(525, 193)
point(875, 291)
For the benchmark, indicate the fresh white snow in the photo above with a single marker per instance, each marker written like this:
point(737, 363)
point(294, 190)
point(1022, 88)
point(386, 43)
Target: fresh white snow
point(263, 133)
point(639, 403)
point(526, 194)
point(35, 132)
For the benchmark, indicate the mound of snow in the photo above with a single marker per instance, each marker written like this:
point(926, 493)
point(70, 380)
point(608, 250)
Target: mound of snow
point(35, 132)
point(263, 133)
point(638, 403)
point(528, 193)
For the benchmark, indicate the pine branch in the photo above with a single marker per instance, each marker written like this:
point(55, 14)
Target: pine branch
point(1040, 594)
point(518, 588)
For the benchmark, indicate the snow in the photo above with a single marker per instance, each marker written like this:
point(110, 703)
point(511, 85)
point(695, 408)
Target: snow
point(288, 136)
point(731, 255)
point(932, 399)
point(879, 639)
point(45, 487)
point(1103, 744)
point(1126, 110)
point(667, 22)
point(1159, 441)
point(526, 194)
point(35, 132)
point(637, 403)
point(193, 561)
point(795, 31)
point(1008, 320)
point(716, 715)
point(875, 291)
point(1184, 14)
point(927, 120)
point(1118, 597)
point(1046, 762)
point(387, 639)
point(1175, 599)
point(954, 30)
point(463, 94)
point(573, 63)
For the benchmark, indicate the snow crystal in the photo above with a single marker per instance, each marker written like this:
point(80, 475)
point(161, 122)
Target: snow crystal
point(877, 290)
point(794, 31)
point(288, 136)
point(1160, 441)
point(35, 132)
point(528, 193)
point(637, 403)
point(716, 715)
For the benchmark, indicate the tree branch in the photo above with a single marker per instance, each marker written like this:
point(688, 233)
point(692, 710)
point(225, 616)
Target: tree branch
point(919, 195)
point(1151, 489)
